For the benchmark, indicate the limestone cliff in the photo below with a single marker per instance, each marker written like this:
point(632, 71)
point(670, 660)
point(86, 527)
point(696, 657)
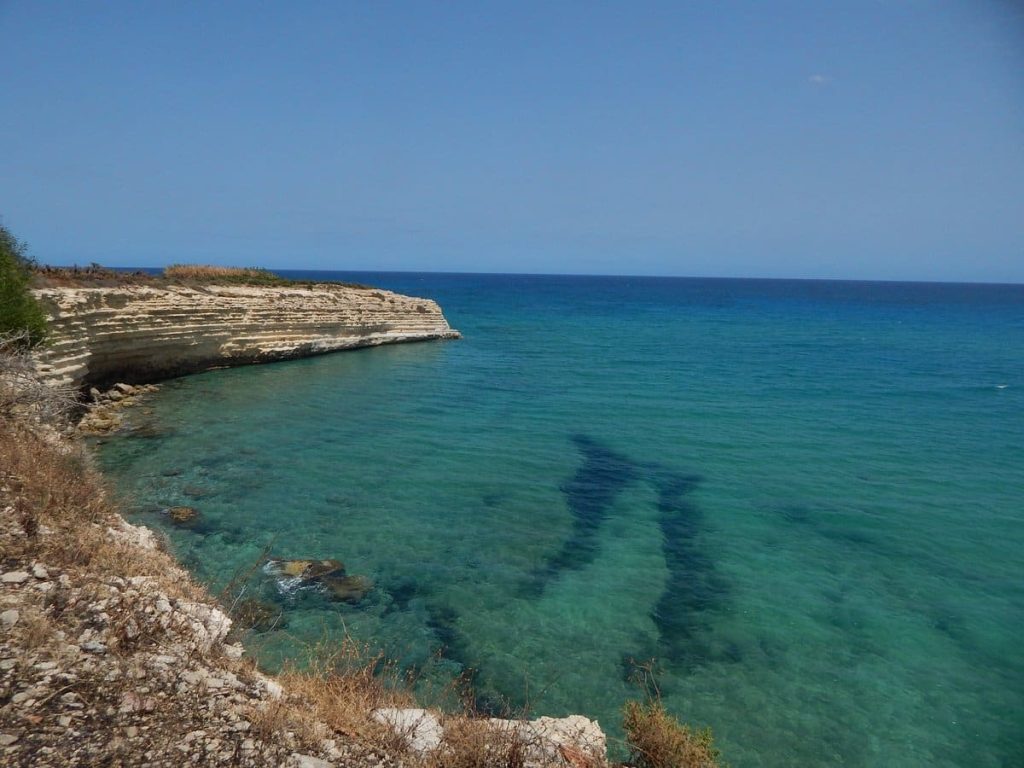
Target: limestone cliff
point(140, 333)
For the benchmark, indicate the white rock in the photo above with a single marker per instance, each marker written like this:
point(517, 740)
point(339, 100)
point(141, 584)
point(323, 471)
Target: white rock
point(545, 736)
point(9, 618)
point(574, 730)
point(234, 651)
point(307, 761)
point(421, 729)
point(136, 535)
point(40, 572)
point(14, 577)
point(274, 689)
point(209, 624)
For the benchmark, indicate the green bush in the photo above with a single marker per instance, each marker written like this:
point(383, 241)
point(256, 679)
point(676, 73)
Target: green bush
point(19, 311)
point(658, 740)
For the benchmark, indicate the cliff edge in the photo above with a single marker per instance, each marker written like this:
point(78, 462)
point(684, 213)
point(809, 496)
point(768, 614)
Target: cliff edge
point(143, 333)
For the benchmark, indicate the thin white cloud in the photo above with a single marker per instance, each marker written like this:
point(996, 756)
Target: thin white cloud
point(818, 79)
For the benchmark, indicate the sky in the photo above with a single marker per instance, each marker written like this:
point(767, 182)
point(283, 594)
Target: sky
point(867, 139)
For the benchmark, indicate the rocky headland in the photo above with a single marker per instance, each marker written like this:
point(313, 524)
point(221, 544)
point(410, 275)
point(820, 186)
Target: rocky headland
point(144, 333)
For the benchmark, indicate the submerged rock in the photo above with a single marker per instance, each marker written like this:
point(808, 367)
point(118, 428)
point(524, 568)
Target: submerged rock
point(306, 570)
point(351, 589)
point(183, 515)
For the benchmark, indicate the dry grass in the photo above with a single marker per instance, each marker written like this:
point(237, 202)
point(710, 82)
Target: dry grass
point(342, 684)
point(49, 486)
point(658, 740)
point(211, 272)
point(36, 629)
point(195, 275)
point(472, 743)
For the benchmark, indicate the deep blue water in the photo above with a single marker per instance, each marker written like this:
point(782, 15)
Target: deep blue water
point(804, 500)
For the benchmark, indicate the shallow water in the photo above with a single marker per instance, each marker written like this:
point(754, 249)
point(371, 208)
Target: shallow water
point(802, 499)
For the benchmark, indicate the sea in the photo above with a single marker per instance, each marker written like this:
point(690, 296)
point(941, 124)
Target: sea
point(794, 510)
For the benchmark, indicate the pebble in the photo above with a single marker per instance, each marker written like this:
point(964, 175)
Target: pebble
point(6, 739)
point(40, 572)
point(14, 577)
point(9, 618)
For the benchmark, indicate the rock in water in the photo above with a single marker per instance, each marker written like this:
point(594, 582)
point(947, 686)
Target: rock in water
point(307, 570)
point(183, 515)
point(351, 589)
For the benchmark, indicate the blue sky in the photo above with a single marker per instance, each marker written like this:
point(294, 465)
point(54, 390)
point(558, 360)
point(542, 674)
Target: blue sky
point(876, 139)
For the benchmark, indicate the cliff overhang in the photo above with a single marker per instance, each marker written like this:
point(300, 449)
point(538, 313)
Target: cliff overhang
point(141, 334)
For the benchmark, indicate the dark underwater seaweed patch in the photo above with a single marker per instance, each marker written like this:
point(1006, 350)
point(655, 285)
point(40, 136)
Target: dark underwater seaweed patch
point(442, 620)
point(403, 592)
point(693, 589)
point(590, 494)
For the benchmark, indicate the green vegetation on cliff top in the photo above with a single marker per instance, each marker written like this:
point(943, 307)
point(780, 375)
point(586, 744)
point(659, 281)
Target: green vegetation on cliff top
point(20, 314)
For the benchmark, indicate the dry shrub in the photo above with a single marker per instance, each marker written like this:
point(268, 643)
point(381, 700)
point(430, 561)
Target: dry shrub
point(279, 716)
point(208, 272)
point(22, 394)
point(474, 743)
point(34, 629)
point(658, 740)
point(50, 487)
point(342, 684)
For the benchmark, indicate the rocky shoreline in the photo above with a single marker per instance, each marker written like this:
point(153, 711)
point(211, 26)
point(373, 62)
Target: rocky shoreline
point(111, 654)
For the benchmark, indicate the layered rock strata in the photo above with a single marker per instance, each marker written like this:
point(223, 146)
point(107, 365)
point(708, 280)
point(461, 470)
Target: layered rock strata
point(140, 333)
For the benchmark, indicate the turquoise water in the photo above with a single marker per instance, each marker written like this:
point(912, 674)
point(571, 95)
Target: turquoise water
point(804, 500)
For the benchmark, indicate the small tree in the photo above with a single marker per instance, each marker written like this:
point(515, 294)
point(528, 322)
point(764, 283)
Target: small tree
point(20, 313)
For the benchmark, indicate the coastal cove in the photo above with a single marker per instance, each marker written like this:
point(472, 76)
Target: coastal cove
point(800, 498)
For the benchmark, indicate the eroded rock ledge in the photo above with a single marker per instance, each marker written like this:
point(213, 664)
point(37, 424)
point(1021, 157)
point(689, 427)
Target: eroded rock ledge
point(140, 334)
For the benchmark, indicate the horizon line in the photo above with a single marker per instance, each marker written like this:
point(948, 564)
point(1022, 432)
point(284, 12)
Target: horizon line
point(607, 275)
